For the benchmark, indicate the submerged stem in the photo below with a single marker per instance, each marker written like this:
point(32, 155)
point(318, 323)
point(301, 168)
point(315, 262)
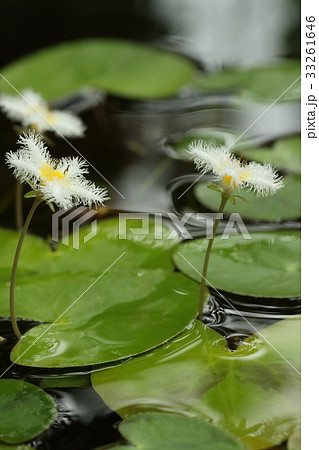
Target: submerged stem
point(15, 266)
point(207, 256)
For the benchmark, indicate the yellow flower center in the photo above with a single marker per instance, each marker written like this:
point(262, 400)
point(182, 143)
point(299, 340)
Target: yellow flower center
point(227, 179)
point(50, 174)
point(228, 184)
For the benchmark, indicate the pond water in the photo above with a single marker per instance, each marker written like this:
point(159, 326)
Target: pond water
point(135, 145)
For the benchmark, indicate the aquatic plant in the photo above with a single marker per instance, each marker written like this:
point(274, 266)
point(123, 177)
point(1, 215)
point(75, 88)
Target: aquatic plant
point(230, 173)
point(59, 182)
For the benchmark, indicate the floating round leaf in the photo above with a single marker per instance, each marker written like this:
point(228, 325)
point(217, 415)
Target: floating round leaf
point(25, 411)
point(112, 240)
point(162, 431)
point(124, 68)
point(253, 392)
point(113, 237)
point(266, 265)
point(34, 250)
point(92, 332)
point(284, 205)
point(100, 319)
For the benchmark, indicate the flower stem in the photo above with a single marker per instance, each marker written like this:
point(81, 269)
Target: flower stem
point(18, 206)
point(207, 256)
point(15, 266)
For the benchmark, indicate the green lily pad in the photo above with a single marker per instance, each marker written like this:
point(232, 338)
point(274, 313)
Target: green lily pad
point(264, 83)
point(138, 304)
point(25, 411)
point(284, 155)
point(252, 392)
point(141, 250)
point(284, 205)
point(123, 314)
point(33, 248)
point(124, 68)
point(162, 431)
point(67, 263)
point(267, 265)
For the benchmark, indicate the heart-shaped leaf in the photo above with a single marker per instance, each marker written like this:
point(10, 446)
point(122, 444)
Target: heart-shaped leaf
point(162, 431)
point(253, 392)
point(25, 411)
point(96, 312)
point(267, 265)
point(284, 205)
point(125, 68)
point(142, 247)
point(123, 314)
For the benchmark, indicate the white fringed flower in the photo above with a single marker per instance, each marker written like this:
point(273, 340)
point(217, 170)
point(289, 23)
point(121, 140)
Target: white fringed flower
point(55, 181)
point(231, 173)
point(32, 111)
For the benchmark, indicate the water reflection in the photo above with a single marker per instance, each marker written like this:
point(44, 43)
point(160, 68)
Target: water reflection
point(229, 33)
point(236, 317)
